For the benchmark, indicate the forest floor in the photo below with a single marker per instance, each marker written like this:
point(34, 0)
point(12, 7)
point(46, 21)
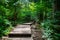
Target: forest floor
point(37, 33)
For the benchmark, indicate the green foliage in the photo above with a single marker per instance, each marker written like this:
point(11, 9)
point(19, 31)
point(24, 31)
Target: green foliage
point(50, 23)
point(13, 12)
point(56, 27)
point(4, 24)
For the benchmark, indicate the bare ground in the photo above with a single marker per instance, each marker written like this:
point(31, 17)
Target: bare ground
point(36, 33)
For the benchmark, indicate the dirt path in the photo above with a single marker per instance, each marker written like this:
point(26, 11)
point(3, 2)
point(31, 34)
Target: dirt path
point(37, 34)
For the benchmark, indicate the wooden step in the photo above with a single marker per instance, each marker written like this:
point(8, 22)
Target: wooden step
point(27, 23)
point(21, 31)
point(29, 38)
point(23, 26)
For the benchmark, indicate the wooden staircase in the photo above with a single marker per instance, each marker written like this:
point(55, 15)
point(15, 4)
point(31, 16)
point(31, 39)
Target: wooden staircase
point(21, 32)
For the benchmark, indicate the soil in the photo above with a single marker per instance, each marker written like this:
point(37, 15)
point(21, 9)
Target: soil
point(36, 33)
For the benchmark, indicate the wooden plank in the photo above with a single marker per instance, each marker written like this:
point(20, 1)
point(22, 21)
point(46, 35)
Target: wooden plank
point(23, 26)
point(21, 31)
point(27, 23)
point(4, 38)
point(29, 38)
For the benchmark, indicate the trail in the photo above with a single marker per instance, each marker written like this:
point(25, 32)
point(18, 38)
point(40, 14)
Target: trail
point(24, 31)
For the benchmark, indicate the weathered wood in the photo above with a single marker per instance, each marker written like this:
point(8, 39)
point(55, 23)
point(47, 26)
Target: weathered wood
point(27, 23)
point(4, 38)
point(29, 38)
point(23, 26)
point(21, 31)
